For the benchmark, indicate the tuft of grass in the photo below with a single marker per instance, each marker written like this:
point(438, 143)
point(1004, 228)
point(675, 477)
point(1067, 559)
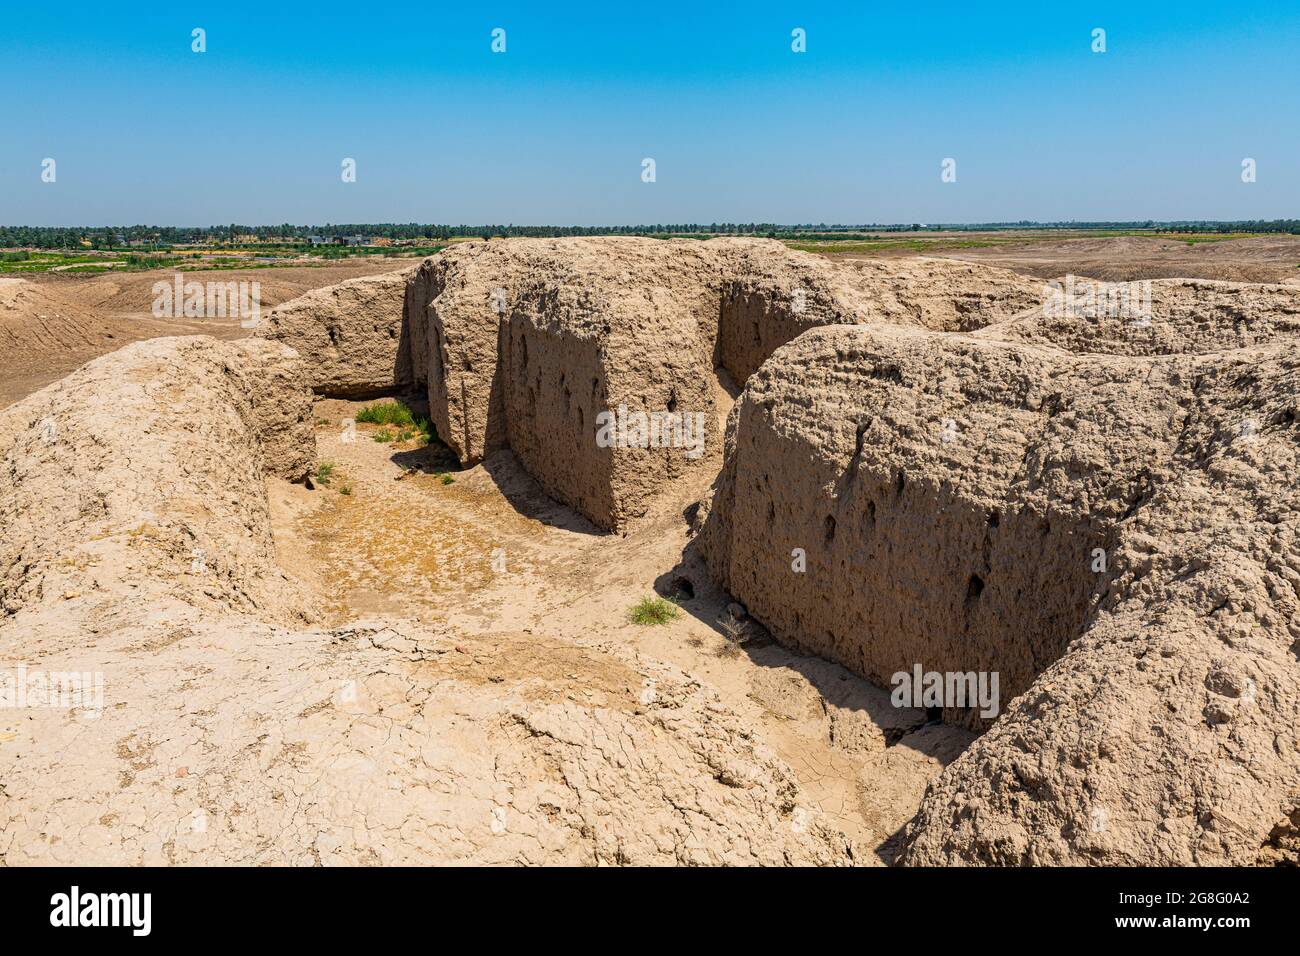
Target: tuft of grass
point(654, 611)
point(383, 436)
point(404, 435)
point(387, 413)
point(736, 633)
point(445, 478)
point(425, 428)
point(345, 489)
point(324, 472)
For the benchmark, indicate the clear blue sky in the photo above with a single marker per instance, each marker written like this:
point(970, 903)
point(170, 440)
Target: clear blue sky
point(554, 130)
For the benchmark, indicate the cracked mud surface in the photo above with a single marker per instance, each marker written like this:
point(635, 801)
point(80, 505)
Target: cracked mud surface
point(305, 677)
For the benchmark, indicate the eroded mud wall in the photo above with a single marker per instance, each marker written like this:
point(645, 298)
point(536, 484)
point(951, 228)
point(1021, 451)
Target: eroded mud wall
point(555, 387)
point(513, 334)
point(530, 342)
point(922, 482)
point(1166, 735)
point(353, 336)
point(1108, 533)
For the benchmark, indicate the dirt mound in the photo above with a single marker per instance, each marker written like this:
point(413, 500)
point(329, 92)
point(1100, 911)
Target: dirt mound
point(1160, 317)
point(35, 316)
point(51, 323)
point(1108, 534)
point(133, 293)
point(224, 741)
point(146, 464)
point(1127, 258)
point(771, 294)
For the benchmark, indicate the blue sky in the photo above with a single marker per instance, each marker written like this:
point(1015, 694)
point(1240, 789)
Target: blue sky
point(554, 130)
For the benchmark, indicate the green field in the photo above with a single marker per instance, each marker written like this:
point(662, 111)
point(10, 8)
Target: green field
point(191, 260)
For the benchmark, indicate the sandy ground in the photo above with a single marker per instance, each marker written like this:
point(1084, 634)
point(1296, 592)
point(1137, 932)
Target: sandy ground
point(1129, 258)
point(52, 323)
point(489, 554)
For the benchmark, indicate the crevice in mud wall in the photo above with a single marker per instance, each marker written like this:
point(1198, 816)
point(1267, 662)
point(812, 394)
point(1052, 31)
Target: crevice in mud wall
point(755, 322)
point(435, 384)
point(421, 332)
point(409, 362)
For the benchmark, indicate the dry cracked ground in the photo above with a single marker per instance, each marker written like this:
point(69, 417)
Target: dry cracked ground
point(302, 639)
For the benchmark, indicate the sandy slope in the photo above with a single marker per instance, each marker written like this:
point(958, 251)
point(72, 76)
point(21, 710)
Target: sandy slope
point(52, 323)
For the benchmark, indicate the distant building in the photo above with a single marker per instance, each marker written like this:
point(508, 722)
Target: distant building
point(319, 240)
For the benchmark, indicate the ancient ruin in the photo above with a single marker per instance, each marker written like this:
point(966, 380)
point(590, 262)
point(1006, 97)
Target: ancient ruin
point(885, 466)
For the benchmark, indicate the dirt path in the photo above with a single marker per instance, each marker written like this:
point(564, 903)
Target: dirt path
point(488, 554)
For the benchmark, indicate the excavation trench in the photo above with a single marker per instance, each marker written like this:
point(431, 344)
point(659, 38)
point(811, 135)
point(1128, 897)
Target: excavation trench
point(893, 575)
point(491, 553)
point(932, 580)
point(898, 573)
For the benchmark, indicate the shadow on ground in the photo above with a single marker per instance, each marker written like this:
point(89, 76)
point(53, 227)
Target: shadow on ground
point(690, 586)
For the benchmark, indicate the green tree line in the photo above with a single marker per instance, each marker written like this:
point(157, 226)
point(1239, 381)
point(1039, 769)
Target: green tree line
point(108, 237)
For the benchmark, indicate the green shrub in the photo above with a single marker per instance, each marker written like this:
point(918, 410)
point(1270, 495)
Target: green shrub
point(386, 413)
point(425, 428)
point(654, 611)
